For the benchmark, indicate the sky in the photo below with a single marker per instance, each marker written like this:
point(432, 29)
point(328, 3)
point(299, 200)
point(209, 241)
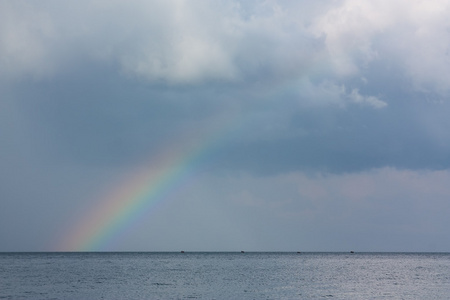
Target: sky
point(254, 125)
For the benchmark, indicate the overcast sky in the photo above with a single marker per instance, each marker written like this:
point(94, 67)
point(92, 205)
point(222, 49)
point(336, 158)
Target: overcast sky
point(324, 124)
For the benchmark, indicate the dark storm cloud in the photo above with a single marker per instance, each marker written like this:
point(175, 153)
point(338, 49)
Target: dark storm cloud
point(350, 140)
point(95, 118)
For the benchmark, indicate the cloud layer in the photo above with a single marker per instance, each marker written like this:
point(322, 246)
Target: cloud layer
point(318, 106)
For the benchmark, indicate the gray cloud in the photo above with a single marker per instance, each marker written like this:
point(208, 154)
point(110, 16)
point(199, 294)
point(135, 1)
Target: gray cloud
point(350, 90)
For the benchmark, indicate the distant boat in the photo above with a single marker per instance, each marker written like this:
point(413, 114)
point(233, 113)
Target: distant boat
point(352, 251)
point(298, 252)
point(242, 252)
point(182, 251)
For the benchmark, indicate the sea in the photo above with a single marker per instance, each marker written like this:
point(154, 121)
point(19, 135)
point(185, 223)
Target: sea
point(227, 275)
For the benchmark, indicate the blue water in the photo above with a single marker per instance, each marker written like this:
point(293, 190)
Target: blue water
point(224, 276)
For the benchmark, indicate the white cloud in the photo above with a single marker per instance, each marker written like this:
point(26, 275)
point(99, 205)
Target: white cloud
point(190, 43)
point(186, 42)
point(373, 101)
point(23, 37)
point(328, 92)
point(412, 34)
point(348, 30)
point(168, 40)
point(175, 41)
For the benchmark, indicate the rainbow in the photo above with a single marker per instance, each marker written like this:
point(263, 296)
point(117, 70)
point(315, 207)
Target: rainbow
point(135, 196)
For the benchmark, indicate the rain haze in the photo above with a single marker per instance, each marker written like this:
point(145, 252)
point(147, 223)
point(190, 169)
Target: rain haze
point(225, 125)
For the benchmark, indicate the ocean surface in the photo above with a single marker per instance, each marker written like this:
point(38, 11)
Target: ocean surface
point(214, 275)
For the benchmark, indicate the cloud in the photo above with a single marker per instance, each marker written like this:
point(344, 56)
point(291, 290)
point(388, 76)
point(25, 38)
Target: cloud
point(272, 42)
point(410, 34)
point(24, 33)
point(171, 41)
point(377, 210)
point(356, 97)
point(356, 91)
point(185, 43)
point(328, 92)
